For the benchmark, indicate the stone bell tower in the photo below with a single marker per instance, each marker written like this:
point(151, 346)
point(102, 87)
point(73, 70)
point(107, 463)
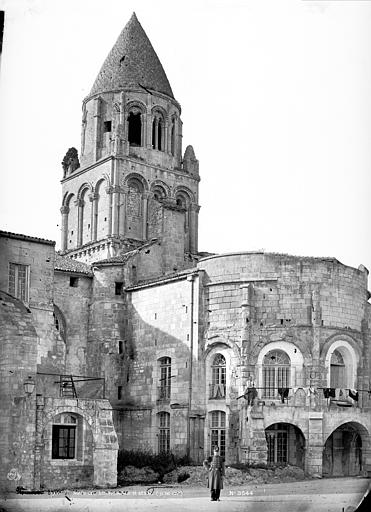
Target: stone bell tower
point(131, 183)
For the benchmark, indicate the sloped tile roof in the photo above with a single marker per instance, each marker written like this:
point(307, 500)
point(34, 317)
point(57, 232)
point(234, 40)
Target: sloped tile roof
point(69, 265)
point(27, 238)
point(132, 62)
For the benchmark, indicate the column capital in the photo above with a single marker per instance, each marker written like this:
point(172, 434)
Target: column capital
point(65, 209)
point(79, 202)
point(109, 189)
point(194, 207)
point(93, 196)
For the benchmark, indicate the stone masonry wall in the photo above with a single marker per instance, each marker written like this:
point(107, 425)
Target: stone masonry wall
point(18, 355)
point(73, 302)
point(160, 327)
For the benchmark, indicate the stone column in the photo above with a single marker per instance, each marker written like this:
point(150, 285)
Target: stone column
point(115, 210)
point(64, 229)
point(166, 135)
point(146, 196)
point(314, 444)
point(109, 193)
point(83, 130)
point(38, 440)
point(149, 130)
point(247, 319)
point(143, 135)
point(97, 127)
point(93, 198)
point(193, 228)
point(122, 211)
point(179, 137)
point(80, 219)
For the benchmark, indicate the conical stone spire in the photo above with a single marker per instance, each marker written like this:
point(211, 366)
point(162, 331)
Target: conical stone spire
point(132, 63)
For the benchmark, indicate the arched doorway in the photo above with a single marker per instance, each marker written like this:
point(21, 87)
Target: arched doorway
point(285, 445)
point(343, 453)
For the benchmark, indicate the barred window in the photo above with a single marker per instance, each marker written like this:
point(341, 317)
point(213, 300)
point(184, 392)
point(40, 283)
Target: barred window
point(163, 432)
point(19, 281)
point(276, 373)
point(218, 431)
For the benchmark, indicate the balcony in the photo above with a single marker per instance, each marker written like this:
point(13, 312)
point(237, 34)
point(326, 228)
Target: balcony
point(217, 391)
point(163, 393)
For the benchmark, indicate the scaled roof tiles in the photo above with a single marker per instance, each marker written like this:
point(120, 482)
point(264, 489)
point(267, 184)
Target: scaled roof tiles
point(132, 63)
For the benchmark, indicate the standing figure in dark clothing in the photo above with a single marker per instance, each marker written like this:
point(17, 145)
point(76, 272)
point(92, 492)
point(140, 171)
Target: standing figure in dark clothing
point(216, 471)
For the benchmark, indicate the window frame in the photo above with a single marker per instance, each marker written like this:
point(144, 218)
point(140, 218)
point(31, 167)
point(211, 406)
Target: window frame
point(71, 444)
point(278, 374)
point(163, 422)
point(218, 430)
point(16, 291)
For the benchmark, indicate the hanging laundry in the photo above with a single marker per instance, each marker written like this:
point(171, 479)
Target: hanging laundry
point(337, 393)
point(284, 393)
point(353, 394)
point(329, 392)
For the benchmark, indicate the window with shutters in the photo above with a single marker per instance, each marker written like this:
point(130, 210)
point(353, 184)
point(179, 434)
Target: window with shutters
point(19, 281)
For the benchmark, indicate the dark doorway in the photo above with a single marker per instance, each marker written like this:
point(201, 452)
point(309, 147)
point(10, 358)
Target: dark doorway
point(342, 453)
point(285, 445)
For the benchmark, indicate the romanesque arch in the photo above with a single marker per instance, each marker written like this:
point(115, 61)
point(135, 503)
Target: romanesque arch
point(285, 444)
point(347, 450)
point(341, 353)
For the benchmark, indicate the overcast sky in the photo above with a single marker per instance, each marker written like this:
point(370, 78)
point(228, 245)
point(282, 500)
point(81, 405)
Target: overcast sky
point(276, 101)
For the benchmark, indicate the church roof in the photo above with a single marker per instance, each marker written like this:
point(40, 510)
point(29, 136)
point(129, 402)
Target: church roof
point(132, 62)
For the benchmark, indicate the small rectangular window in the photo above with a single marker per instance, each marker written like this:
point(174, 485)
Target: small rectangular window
point(107, 126)
point(74, 281)
point(119, 392)
point(63, 441)
point(19, 281)
point(118, 287)
point(121, 347)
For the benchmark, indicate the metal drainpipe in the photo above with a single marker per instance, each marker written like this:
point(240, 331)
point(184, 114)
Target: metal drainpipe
point(191, 279)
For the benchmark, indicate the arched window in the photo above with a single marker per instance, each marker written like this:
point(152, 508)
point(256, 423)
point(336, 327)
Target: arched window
point(158, 193)
point(341, 361)
point(337, 370)
point(164, 389)
point(276, 373)
point(135, 129)
point(217, 424)
point(64, 437)
point(218, 378)
point(59, 322)
point(163, 432)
